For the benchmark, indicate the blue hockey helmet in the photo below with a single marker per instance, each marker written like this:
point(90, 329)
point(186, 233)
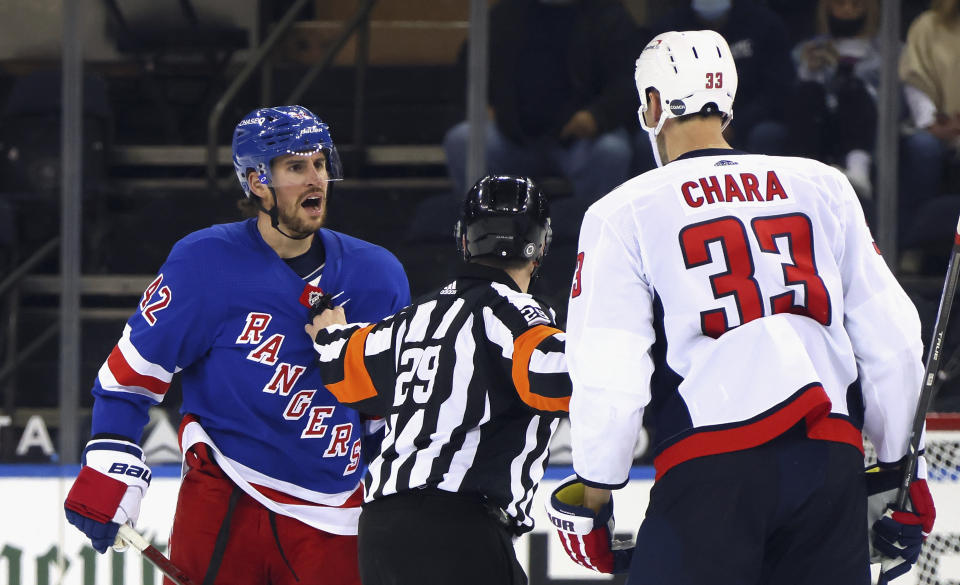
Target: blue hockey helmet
point(266, 133)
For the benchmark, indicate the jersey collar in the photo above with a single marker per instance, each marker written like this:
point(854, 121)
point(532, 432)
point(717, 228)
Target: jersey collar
point(710, 152)
point(331, 249)
point(472, 270)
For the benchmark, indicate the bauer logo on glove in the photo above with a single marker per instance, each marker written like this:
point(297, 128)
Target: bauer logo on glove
point(108, 490)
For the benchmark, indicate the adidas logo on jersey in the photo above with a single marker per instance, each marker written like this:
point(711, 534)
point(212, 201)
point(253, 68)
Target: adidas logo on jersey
point(450, 289)
point(724, 163)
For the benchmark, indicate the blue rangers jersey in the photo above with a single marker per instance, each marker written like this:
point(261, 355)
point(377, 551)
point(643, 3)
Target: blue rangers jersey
point(228, 314)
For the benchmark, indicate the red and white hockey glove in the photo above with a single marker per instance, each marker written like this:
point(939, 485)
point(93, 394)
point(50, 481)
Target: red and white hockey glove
point(897, 535)
point(108, 490)
point(587, 537)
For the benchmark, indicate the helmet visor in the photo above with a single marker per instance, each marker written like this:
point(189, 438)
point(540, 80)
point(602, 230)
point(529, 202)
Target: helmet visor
point(304, 168)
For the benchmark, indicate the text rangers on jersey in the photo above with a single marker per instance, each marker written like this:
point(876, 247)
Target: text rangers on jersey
point(272, 460)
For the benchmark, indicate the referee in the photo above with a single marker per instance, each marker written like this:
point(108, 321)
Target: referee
point(472, 382)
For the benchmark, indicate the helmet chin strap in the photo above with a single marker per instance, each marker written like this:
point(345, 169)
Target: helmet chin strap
point(652, 133)
point(653, 146)
point(274, 214)
point(535, 274)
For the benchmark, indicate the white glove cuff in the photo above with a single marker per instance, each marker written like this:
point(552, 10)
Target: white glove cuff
point(570, 523)
point(129, 508)
point(120, 460)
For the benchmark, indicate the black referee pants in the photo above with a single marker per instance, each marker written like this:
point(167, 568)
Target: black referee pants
point(432, 537)
point(790, 512)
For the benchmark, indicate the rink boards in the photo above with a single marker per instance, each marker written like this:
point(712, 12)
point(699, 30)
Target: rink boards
point(36, 541)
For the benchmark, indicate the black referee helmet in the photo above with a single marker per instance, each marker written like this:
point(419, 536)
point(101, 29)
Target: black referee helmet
point(504, 217)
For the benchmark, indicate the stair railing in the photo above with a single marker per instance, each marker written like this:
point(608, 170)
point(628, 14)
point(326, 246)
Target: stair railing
point(357, 23)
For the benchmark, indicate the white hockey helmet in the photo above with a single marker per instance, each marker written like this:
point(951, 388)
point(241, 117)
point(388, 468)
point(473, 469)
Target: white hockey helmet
point(690, 69)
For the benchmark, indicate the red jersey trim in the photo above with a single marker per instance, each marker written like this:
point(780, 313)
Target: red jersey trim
point(354, 501)
point(838, 430)
point(813, 404)
point(203, 452)
point(187, 419)
point(125, 375)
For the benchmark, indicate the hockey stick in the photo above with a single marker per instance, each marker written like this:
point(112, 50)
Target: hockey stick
point(166, 566)
point(929, 379)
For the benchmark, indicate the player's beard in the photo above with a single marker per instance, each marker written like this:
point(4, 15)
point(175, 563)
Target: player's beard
point(298, 225)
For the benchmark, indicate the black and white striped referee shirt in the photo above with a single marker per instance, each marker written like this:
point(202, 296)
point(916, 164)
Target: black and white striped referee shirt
point(471, 382)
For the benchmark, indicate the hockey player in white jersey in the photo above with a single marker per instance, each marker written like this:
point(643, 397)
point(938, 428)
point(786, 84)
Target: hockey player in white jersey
point(737, 304)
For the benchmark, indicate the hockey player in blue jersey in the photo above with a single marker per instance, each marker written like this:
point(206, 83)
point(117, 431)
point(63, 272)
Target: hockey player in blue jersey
point(271, 490)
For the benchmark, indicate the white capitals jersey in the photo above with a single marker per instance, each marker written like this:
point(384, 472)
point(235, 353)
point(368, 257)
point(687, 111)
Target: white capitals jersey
point(727, 297)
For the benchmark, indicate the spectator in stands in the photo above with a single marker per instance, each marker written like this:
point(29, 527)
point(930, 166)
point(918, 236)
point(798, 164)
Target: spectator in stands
point(798, 16)
point(833, 112)
point(930, 70)
point(561, 98)
point(758, 40)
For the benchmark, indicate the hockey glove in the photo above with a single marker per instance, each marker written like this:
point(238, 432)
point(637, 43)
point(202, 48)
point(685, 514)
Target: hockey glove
point(897, 535)
point(108, 490)
point(324, 302)
point(587, 537)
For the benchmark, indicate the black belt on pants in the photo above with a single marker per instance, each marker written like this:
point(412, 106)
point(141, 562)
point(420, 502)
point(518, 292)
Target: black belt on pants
point(491, 509)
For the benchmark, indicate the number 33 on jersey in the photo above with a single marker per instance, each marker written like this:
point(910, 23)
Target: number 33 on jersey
point(744, 246)
point(725, 290)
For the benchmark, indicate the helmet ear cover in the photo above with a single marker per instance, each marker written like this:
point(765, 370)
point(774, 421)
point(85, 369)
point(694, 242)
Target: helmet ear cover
point(504, 217)
point(506, 237)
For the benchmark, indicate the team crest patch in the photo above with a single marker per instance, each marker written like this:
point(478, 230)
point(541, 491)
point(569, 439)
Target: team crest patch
point(310, 295)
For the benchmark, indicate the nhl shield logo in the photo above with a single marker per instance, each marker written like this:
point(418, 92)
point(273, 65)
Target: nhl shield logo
point(310, 295)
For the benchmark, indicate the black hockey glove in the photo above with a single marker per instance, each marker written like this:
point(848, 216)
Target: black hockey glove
point(320, 305)
point(897, 535)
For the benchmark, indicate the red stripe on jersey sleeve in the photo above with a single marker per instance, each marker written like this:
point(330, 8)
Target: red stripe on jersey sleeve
point(127, 376)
